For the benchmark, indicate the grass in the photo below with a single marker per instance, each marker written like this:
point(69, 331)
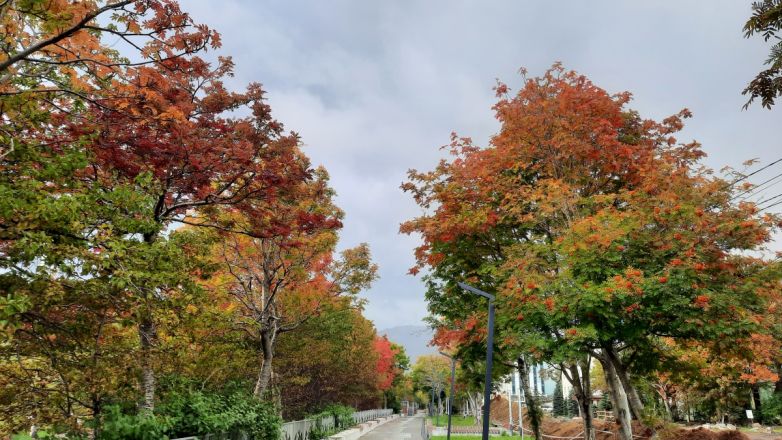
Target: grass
point(471, 437)
point(774, 429)
point(454, 437)
point(455, 421)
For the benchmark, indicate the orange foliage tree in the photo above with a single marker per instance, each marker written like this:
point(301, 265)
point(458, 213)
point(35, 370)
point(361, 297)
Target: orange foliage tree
point(599, 232)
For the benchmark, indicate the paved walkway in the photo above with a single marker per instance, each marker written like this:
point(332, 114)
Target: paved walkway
point(408, 428)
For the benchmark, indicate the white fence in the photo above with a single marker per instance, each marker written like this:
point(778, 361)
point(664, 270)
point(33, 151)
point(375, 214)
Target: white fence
point(372, 414)
point(300, 429)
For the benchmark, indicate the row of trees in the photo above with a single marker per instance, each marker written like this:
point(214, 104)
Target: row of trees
point(606, 241)
point(158, 229)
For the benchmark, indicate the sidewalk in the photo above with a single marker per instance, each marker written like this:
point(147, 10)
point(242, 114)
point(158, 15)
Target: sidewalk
point(408, 428)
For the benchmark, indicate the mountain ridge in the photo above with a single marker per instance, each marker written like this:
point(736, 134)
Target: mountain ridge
point(414, 338)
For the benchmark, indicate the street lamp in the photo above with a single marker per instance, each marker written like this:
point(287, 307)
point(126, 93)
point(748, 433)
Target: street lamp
point(450, 397)
point(489, 357)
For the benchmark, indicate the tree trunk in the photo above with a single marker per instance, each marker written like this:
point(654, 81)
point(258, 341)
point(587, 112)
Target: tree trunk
point(619, 400)
point(535, 378)
point(582, 389)
point(473, 405)
point(636, 405)
point(265, 375)
point(148, 337)
point(758, 413)
point(664, 397)
point(778, 383)
point(533, 407)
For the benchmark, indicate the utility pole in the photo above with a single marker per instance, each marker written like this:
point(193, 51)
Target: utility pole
point(451, 396)
point(489, 357)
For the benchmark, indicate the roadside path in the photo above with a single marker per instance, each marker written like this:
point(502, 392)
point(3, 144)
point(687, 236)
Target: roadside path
point(403, 428)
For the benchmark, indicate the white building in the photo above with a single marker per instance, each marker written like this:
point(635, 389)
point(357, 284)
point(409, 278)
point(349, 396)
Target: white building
point(541, 379)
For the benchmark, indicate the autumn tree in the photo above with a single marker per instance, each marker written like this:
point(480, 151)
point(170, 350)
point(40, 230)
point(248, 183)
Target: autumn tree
point(56, 77)
point(106, 149)
point(195, 155)
point(329, 359)
point(432, 374)
point(766, 20)
point(599, 232)
point(279, 282)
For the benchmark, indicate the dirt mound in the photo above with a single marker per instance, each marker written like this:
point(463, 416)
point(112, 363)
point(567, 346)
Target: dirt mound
point(574, 429)
point(703, 434)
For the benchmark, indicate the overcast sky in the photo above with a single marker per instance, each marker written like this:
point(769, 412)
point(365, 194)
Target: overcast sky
point(376, 87)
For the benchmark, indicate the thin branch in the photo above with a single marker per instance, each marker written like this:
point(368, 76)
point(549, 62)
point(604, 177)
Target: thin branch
point(61, 36)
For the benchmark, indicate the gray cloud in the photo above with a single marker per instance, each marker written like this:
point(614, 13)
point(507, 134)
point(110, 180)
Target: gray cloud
point(374, 88)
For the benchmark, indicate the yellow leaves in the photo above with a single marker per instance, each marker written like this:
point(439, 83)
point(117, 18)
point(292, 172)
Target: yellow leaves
point(191, 309)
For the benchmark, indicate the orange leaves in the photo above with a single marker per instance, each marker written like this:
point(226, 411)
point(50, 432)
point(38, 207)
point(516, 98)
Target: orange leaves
point(470, 324)
point(701, 301)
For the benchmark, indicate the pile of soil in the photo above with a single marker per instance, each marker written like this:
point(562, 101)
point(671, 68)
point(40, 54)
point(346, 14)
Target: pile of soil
point(703, 434)
point(573, 428)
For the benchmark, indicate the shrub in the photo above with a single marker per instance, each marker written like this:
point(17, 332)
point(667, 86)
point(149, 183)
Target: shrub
point(117, 425)
point(343, 418)
point(193, 413)
point(343, 415)
point(772, 409)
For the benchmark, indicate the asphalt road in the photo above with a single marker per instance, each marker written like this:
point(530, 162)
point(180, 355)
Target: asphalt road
point(407, 428)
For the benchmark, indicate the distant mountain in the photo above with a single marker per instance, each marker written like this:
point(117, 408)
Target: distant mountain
point(415, 339)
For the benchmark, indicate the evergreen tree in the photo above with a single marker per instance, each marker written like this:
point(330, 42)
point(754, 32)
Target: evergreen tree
point(560, 408)
point(572, 405)
point(605, 403)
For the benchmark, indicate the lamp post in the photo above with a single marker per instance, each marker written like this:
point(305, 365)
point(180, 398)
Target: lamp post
point(489, 357)
point(450, 397)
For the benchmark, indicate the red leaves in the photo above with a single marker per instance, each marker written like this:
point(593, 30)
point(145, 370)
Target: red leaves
point(384, 366)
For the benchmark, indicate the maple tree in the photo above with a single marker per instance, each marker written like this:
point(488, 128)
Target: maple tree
point(169, 129)
point(599, 232)
point(106, 149)
point(385, 363)
point(277, 283)
point(329, 359)
point(766, 20)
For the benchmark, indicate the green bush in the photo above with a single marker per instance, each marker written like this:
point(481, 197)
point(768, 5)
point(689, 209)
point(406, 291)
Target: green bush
point(343, 415)
point(772, 409)
point(116, 425)
point(193, 413)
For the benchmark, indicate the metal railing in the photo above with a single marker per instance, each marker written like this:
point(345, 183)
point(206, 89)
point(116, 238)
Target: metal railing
point(301, 429)
point(372, 414)
point(424, 429)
